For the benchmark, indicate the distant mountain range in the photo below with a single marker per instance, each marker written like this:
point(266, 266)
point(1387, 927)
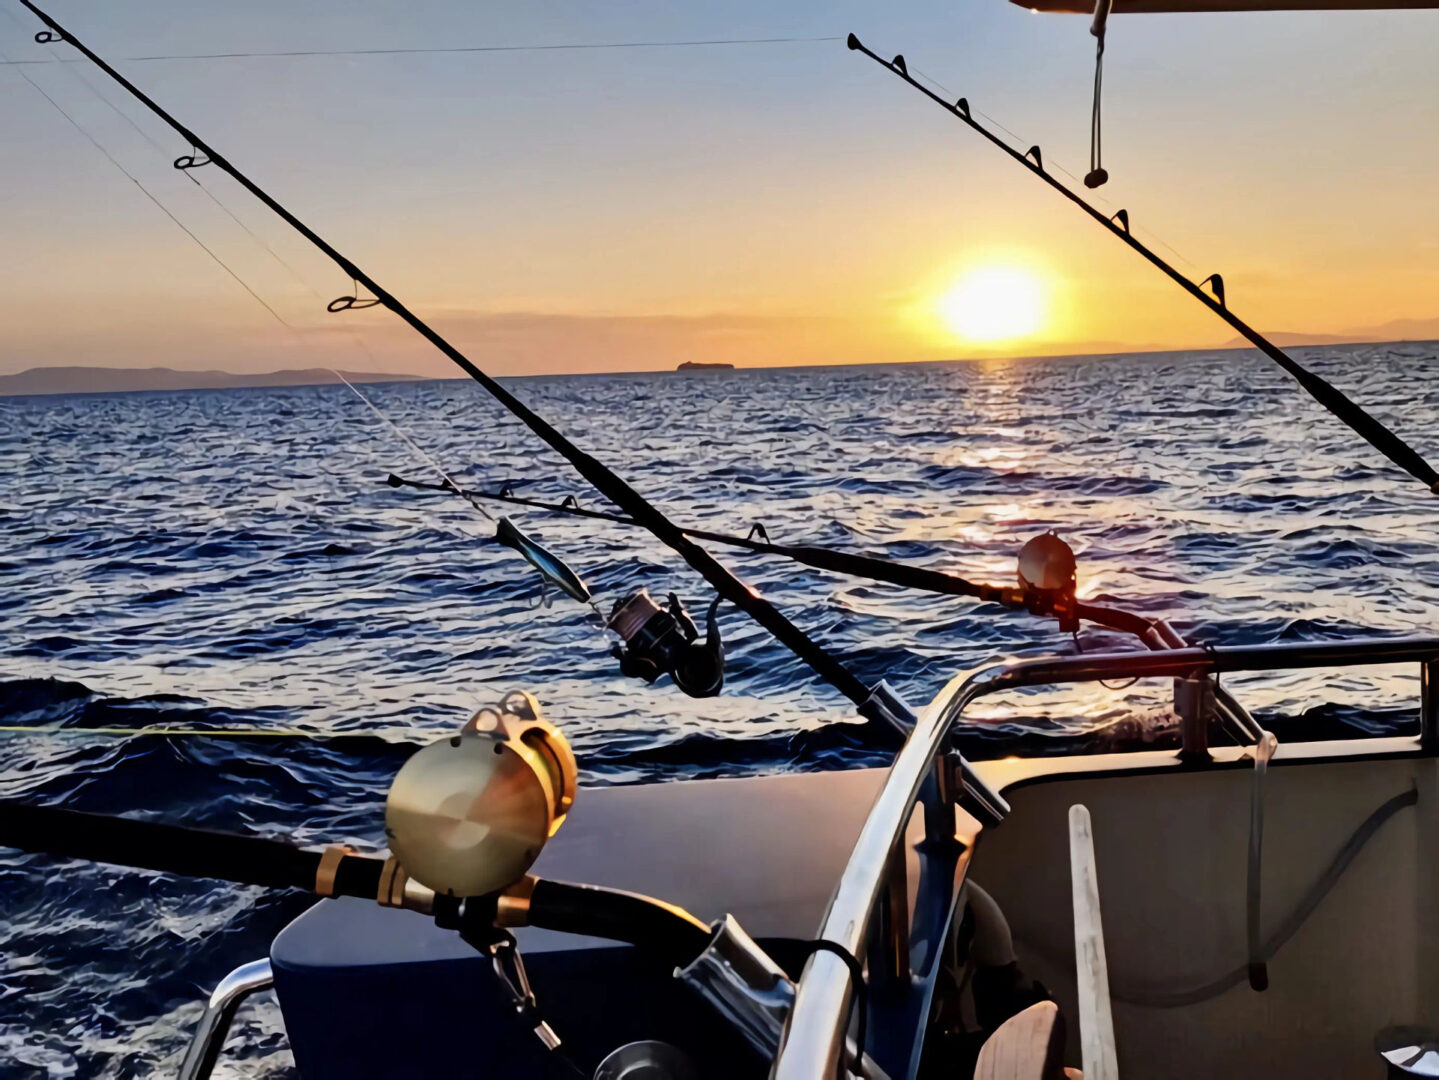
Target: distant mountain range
point(104, 380)
point(1398, 330)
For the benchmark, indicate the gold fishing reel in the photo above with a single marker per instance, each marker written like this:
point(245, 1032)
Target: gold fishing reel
point(469, 814)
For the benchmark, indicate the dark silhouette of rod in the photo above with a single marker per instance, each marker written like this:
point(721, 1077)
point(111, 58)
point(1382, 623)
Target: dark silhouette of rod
point(1333, 399)
point(600, 476)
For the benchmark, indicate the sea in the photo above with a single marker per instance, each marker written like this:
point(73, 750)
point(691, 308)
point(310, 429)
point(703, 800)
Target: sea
point(180, 569)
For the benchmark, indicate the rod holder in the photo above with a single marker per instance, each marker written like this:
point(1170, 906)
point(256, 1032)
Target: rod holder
point(1429, 705)
point(1194, 704)
point(889, 937)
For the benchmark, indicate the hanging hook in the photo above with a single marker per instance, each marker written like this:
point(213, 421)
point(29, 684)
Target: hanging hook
point(1216, 283)
point(48, 37)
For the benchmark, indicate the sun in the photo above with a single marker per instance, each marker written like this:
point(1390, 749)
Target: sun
point(994, 303)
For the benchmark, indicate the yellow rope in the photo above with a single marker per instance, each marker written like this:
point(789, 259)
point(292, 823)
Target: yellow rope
point(230, 733)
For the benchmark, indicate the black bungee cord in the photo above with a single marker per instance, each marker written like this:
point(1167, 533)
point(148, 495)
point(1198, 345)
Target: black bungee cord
point(1097, 175)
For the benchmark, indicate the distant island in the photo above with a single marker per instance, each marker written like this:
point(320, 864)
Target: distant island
point(696, 365)
point(1394, 332)
point(104, 380)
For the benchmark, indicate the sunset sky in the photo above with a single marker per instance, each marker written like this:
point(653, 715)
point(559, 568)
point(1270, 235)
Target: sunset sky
point(761, 204)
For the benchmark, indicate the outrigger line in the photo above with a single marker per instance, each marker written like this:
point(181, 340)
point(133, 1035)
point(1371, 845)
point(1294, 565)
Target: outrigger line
point(1361, 422)
point(577, 46)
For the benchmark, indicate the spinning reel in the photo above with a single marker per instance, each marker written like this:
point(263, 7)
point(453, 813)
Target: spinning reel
point(660, 640)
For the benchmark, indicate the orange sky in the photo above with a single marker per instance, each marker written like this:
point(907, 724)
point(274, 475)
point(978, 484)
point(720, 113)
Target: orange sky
point(630, 209)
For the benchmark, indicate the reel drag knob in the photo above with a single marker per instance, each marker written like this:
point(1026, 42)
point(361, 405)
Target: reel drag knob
point(468, 815)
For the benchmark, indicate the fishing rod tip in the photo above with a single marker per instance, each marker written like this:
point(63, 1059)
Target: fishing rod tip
point(394, 481)
point(853, 42)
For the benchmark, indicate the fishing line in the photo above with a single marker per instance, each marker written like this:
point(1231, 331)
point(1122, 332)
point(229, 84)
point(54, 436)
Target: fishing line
point(243, 284)
point(149, 195)
point(188, 170)
point(189, 173)
point(419, 450)
point(1097, 174)
point(1096, 138)
point(422, 51)
point(451, 486)
point(187, 165)
point(223, 733)
point(416, 447)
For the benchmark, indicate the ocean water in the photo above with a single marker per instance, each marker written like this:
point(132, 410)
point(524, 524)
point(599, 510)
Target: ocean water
point(232, 559)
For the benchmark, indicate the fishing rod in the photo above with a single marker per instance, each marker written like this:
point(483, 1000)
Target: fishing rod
point(336, 871)
point(1057, 603)
point(936, 581)
point(1321, 390)
point(607, 482)
point(881, 705)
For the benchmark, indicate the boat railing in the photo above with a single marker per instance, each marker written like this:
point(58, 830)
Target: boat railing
point(872, 893)
point(214, 1023)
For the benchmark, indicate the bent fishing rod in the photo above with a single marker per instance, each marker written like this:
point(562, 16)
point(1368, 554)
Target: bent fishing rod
point(879, 704)
point(1321, 390)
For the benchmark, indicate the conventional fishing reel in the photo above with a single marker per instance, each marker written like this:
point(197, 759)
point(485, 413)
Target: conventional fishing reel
point(469, 814)
point(1047, 578)
point(665, 640)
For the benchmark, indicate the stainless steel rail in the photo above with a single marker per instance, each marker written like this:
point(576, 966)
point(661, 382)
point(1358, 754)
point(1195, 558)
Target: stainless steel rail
point(812, 1047)
point(215, 1021)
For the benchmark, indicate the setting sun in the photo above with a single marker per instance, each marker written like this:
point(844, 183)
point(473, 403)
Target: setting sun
point(994, 303)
